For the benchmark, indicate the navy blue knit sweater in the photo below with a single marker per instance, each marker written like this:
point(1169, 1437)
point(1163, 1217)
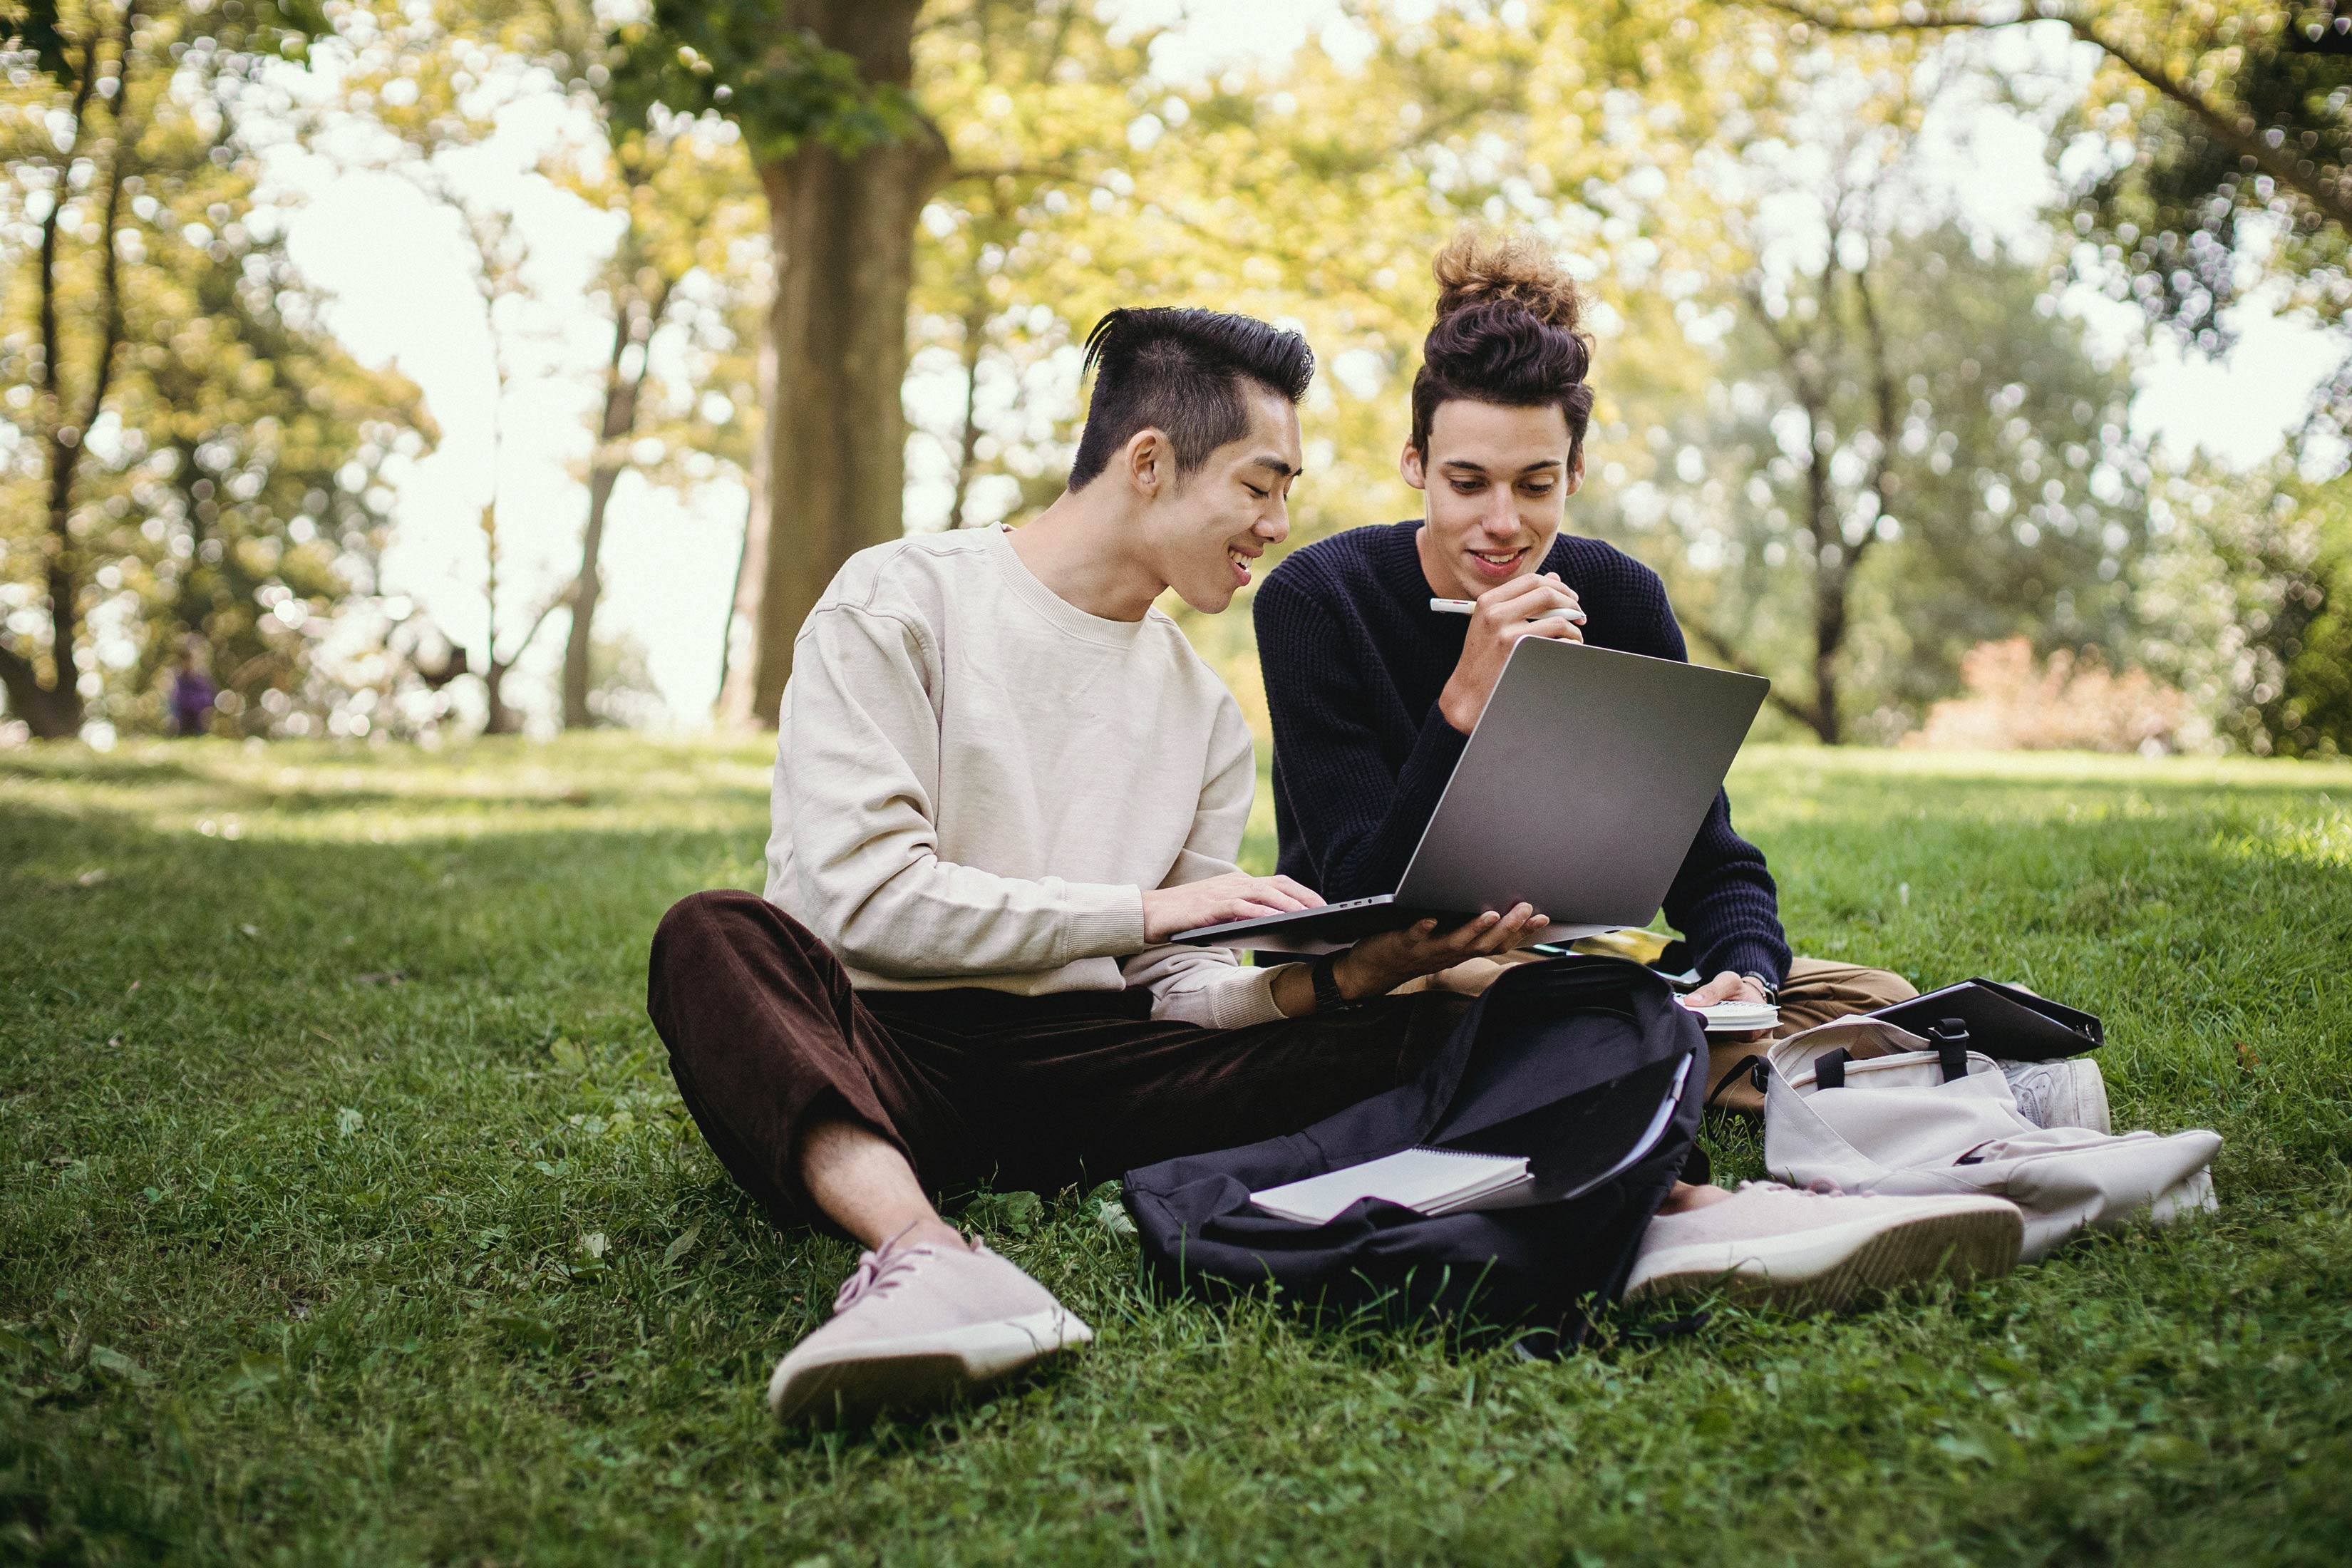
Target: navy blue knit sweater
point(1354, 661)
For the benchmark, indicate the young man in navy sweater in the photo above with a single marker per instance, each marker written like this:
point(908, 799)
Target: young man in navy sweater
point(1373, 694)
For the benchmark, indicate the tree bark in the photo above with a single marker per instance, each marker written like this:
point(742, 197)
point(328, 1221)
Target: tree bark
point(843, 234)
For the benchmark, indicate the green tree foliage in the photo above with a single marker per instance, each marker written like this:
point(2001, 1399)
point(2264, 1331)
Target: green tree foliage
point(686, 273)
point(1907, 452)
point(1060, 173)
point(186, 450)
point(2215, 150)
point(2246, 602)
point(2214, 143)
point(677, 293)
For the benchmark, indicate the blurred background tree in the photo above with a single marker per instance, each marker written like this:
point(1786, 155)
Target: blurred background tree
point(2207, 163)
point(1902, 447)
point(188, 450)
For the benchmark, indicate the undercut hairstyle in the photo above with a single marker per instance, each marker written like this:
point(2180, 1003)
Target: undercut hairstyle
point(1508, 330)
point(1179, 372)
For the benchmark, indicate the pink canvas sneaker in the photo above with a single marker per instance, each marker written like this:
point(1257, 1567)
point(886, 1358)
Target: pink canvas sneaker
point(1768, 1245)
point(916, 1326)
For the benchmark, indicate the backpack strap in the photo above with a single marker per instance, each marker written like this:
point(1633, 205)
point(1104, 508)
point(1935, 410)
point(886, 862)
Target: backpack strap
point(1755, 1068)
point(1829, 1069)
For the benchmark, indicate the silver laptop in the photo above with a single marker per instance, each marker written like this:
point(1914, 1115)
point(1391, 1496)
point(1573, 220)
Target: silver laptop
point(1579, 792)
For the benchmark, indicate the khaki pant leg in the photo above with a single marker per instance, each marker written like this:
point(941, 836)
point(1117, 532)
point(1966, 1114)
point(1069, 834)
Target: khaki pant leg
point(1816, 992)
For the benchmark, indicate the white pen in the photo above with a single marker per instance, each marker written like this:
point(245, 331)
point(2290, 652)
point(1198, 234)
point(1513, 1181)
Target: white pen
point(1463, 606)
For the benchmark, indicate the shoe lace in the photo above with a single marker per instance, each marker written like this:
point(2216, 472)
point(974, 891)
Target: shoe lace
point(878, 1271)
point(1821, 1186)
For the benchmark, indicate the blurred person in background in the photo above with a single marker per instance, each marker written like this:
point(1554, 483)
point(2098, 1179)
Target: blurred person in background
point(191, 693)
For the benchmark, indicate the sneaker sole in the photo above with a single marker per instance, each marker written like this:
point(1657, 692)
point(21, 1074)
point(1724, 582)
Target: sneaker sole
point(1830, 1269)
point(2090, 1086)
point(919, 1371)
point(2077, 1097)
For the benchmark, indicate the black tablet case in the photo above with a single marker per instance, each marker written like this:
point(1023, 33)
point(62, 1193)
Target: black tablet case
point(2003, 1022)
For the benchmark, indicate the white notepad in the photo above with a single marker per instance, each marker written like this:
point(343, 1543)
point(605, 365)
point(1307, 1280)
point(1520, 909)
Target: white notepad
point(1739, 1017)
point(1433, 1180)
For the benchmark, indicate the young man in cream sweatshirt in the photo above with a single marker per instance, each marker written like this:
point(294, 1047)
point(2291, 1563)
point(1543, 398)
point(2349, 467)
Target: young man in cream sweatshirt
point(1003, 781)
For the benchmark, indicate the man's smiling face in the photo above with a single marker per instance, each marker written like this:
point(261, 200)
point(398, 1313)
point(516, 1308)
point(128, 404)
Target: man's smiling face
point(1205, 537)
point(1497, 479)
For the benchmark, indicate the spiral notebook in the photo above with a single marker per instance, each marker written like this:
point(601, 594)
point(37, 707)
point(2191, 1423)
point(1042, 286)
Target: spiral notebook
point(1433, 1180)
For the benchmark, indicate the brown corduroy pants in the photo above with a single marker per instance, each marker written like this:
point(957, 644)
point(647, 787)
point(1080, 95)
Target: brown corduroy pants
point(765, 1035)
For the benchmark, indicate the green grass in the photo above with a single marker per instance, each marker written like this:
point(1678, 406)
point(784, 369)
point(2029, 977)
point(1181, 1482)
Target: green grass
point(346, 1214)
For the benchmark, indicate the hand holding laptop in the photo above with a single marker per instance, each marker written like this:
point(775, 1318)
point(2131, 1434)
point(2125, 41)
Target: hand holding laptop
point(1379, 964)
point(1374, 966)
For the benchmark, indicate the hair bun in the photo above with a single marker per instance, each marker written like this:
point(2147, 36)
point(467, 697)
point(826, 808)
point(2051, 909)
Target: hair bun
point(1477, 269)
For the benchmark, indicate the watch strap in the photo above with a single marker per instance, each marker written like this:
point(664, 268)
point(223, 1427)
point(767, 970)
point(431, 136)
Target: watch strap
point(1324, 972)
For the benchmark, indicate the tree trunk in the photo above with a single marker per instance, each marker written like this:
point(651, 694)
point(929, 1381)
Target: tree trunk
point(621, 395)
point(500, 719)
point(1829, 642)
point(1829, 577)
point(51, 714)
point(975, 338)
point(737, 656)
point(53, 711)
point(732, 709)
point(843, 234)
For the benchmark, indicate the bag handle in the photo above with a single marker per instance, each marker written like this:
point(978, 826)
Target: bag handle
point(1949, 1037)
point(1757, 1070)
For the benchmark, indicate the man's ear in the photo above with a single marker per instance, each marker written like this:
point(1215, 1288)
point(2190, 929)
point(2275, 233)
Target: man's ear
point(1575, 473)
point(1408, 464)
point(1150, 463)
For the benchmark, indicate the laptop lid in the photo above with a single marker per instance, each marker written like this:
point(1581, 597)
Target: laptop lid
point(1580, 790)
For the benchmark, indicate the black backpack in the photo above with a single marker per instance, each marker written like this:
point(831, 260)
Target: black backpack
point(1590, 1067)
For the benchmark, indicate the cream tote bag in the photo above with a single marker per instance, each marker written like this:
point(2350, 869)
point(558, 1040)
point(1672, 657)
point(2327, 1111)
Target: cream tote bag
point(1912, 1118)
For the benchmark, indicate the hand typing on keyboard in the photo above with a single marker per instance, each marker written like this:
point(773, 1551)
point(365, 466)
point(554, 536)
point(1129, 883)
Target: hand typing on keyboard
point(1235, 896)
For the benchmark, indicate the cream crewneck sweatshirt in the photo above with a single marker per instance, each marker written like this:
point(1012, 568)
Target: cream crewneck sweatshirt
point(975, 780)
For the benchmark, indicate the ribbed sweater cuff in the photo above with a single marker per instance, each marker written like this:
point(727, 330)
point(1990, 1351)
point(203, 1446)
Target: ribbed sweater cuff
point(1248, 999)
point(1747, 958)
point(1105, 920)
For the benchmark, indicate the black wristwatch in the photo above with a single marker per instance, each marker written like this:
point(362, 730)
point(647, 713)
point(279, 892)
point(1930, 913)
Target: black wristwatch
point(1323, 974)
point(1771, 992)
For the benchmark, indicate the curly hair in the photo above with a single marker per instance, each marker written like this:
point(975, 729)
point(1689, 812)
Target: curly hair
point(1508, 330)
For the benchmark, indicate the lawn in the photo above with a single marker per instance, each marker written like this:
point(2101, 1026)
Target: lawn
point(346, 1214)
